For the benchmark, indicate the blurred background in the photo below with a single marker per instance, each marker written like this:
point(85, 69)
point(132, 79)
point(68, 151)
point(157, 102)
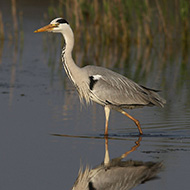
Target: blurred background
point(41, 117)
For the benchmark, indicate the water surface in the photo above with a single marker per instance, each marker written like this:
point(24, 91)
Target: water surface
point(45, 134)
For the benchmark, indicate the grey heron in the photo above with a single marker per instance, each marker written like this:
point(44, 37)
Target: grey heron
point(116, 173)
point(101, 85)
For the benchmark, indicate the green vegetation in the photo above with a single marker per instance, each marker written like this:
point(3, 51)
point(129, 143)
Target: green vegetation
point(126, 22)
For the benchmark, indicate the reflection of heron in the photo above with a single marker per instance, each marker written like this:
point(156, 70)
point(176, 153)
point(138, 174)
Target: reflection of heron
point(116, 174)
point(101, 85)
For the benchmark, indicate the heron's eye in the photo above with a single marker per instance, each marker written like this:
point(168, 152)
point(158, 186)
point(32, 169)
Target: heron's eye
point(56, 25)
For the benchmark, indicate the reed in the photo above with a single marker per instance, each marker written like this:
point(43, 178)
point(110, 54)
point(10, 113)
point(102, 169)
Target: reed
point(14, 37)
point(126, 21)
point(14, 16)
point(1, 37)
point(1, 27)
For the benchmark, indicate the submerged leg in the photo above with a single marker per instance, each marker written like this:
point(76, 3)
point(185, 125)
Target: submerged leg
point(135, 120)
point(107, 113)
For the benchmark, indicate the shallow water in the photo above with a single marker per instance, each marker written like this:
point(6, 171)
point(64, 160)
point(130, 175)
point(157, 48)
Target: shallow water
point(45, 134)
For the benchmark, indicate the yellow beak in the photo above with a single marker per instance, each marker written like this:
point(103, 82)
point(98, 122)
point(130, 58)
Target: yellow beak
point(47, 28)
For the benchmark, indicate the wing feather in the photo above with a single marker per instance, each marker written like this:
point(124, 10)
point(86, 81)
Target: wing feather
point(121, 91)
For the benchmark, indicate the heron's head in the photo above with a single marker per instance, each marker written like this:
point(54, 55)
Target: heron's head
point(58, 25)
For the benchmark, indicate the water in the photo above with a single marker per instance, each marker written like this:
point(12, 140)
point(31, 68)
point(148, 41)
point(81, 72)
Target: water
point(45, 134)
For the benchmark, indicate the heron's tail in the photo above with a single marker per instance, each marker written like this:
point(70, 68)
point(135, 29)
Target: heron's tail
point(153, 169)
point(154, 97)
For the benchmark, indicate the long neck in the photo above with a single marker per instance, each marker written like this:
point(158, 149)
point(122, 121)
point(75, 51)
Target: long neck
point(71, 68)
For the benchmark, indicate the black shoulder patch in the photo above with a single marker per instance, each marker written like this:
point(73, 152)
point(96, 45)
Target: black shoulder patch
point(62, 21)
point(92, 82)
point(90, 186)
point(108, 102)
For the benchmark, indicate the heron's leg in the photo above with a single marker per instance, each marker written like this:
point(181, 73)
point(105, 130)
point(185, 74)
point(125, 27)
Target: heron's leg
point(107, 113)
point(106, 157)
point(132, 118)
point(133, 148)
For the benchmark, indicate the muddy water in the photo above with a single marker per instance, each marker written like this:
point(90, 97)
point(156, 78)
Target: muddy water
point(45, 134)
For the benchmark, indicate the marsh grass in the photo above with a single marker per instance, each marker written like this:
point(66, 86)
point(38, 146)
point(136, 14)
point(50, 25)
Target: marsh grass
point(115, 33)
point(126, 21)
point(13, 34)
point(1, 36)
point(1, 27)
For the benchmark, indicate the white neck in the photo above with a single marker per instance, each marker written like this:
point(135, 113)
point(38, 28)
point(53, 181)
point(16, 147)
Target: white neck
point(77, 75)
point(71, 68)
